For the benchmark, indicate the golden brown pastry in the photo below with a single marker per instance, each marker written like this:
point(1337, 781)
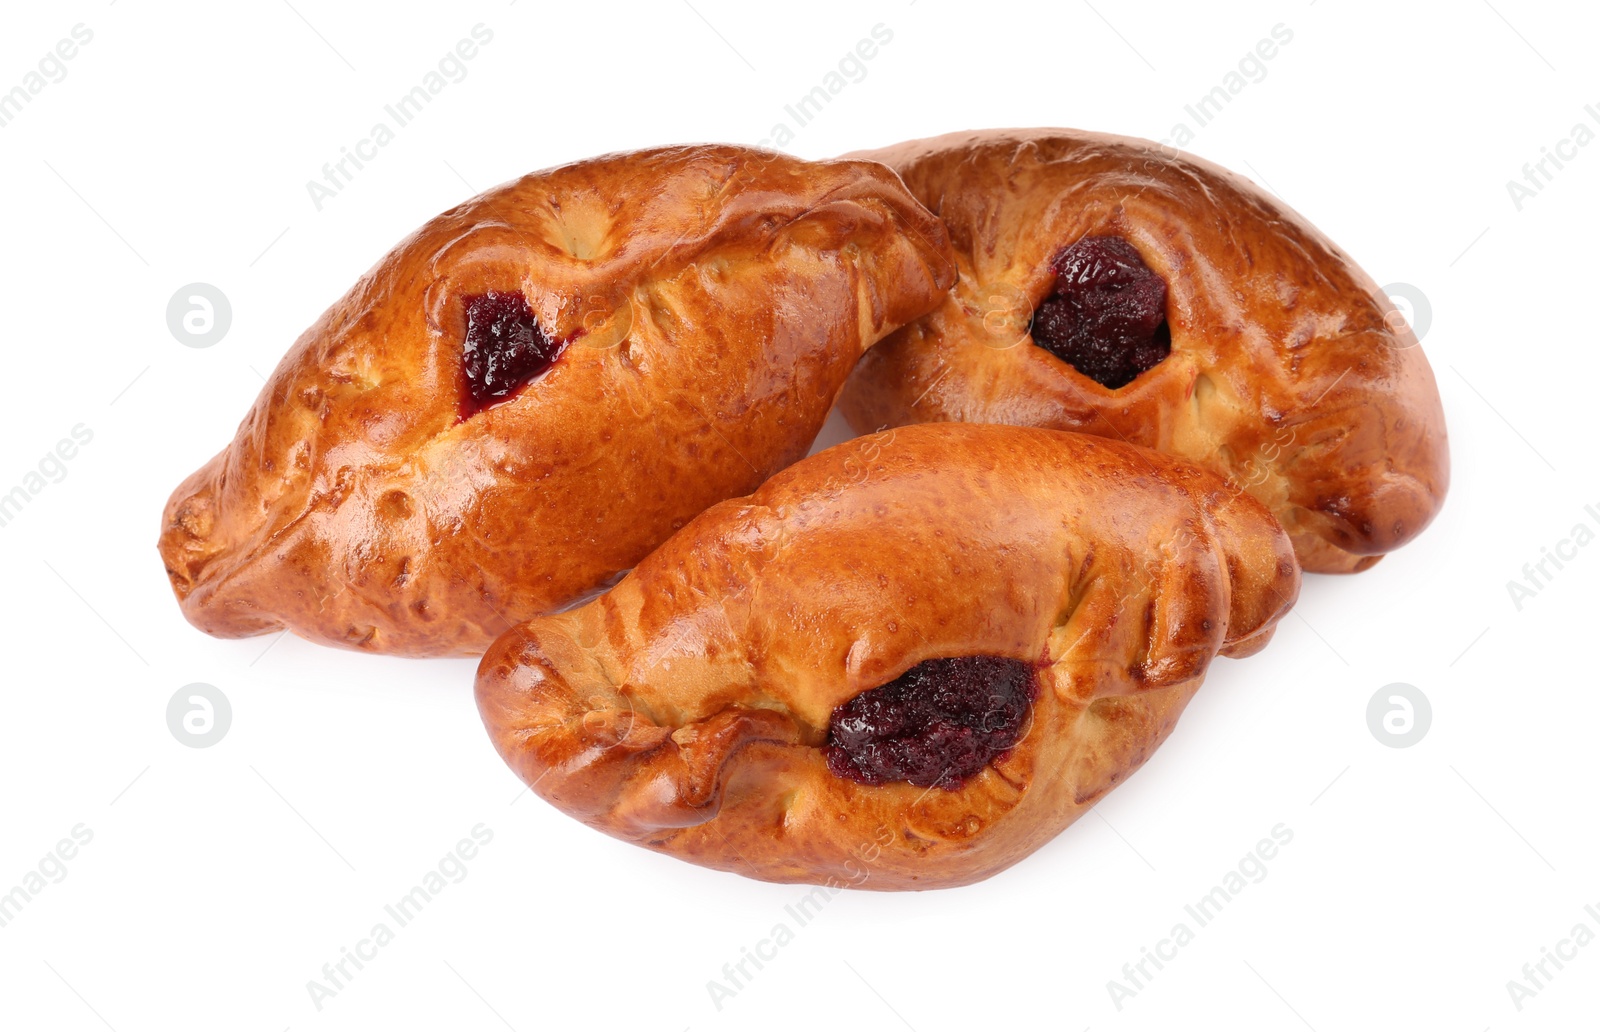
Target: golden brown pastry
point(905, 662)
point(1172, 304)
point(542, 384)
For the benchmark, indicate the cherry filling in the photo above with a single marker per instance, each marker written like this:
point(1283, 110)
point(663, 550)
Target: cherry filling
point(505, 347)
point(939, 723)
point(1107, 314)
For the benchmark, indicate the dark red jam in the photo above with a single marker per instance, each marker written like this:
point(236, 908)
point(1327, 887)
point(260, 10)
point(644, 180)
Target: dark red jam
point(505, 347)
point(1107, 316)
point(937, 724)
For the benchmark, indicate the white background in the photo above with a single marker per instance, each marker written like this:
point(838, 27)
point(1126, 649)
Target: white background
point(220, 880)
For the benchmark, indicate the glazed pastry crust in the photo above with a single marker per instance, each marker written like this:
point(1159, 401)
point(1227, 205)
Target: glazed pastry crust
point(685, 709)
point(716, 298)
point(1290, 371)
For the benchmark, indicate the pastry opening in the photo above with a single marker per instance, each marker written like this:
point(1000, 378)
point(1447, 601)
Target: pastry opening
point(936, 725)
point(504, 347)
point(1107, 314)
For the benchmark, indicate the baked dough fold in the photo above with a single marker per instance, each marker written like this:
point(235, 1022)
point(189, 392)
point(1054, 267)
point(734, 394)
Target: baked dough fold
point(1290, 371)
point(686, 709)
point(708, 303)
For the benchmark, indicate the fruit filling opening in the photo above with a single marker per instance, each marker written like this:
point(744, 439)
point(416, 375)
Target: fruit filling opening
point(503, 349)
point(1107, 314)
point(937, 724)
